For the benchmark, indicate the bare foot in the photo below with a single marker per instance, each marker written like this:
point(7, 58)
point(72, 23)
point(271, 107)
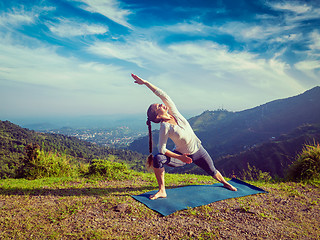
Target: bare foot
point(159, 194)
point(230, 187)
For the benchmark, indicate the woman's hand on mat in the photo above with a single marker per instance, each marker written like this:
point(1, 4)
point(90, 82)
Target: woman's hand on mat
point(137, 79)
point(185, 158)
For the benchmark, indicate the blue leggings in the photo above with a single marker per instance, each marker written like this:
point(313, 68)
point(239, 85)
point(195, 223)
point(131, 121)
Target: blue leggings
point(201, 158)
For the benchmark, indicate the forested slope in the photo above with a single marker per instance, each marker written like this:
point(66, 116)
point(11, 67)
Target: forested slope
point(14, 139)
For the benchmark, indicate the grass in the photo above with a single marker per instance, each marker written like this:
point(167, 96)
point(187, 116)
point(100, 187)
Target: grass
point(307, 164)
point(84, 208)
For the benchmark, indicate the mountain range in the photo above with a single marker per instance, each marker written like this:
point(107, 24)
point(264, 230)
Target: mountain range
point(267, 136)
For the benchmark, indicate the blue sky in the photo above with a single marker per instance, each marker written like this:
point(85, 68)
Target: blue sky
point(74, 57)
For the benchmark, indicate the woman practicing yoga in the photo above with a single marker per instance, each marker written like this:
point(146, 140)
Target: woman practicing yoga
point(188, 147)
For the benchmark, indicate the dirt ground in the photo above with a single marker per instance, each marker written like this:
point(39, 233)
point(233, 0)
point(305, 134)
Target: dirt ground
point(287, 211)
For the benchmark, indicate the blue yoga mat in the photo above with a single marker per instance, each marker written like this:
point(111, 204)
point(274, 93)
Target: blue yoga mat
point(195, 195)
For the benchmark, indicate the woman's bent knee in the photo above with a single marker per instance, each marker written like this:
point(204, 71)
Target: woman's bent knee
point(159, 160)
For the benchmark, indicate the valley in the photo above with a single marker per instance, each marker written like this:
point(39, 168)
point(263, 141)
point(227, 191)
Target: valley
point(118, 137)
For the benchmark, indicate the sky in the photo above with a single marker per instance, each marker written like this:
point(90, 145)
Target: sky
point(68, 58)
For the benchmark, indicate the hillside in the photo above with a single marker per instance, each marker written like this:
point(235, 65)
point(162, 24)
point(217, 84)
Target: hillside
point(273, 156)
point(13, 140)
point(226, 133)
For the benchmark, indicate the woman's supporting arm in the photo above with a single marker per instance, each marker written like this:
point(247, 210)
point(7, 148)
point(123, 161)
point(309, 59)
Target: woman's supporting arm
point(183, 157)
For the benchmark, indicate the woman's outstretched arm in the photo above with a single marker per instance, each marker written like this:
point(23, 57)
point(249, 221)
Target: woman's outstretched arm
point(183, 157)
point(141, 81)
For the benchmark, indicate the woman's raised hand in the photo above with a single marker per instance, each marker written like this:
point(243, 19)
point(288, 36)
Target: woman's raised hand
point(137, 79)
point(140, 81)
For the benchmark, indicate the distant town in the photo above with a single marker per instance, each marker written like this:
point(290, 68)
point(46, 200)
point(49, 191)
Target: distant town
point(119, 137)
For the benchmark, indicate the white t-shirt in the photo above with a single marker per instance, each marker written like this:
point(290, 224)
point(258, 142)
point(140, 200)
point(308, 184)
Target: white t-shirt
point(182, 134)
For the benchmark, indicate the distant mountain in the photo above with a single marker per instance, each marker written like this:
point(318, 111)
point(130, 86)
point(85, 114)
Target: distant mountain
point(228, 133)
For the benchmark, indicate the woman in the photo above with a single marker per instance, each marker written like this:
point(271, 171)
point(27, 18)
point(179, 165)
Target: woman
point(188, 147)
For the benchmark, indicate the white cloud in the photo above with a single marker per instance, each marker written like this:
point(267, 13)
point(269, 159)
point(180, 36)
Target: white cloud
point(236, 66)
point(274, 29)
point(17, 17)
point(192, 27)
point(295, 7)
point(288, 38)
point(248, 31)
point(43, 66)
point(295, 12)
point(57, 84)
point(109, 8)
point(311, 68)
point(69, 28)
point(203, 68)
point(139, 52)
point(307, 65)
point(315, 39)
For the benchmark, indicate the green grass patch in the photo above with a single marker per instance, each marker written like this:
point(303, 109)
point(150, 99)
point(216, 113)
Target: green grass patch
point(109, 170)
point(307, 165)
